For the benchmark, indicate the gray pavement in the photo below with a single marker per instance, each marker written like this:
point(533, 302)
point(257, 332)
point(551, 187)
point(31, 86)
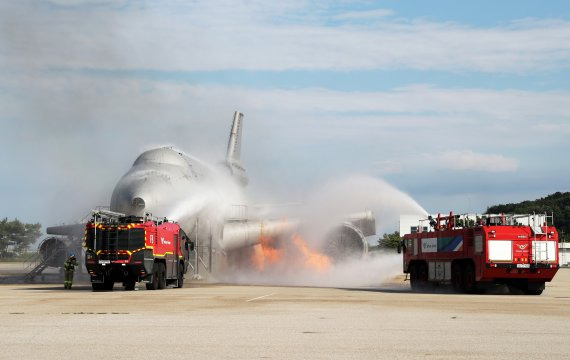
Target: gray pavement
point(264, 322)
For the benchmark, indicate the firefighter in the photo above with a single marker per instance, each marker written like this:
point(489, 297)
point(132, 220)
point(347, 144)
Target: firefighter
point(68, 269)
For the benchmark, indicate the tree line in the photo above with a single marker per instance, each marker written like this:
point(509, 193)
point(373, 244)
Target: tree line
point(16, 237)
point(557, 204)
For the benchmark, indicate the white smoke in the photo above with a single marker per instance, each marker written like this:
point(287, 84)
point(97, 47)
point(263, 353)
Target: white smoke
point(373, 270)
point(190, 205)
point(328, 206)
point(323, 210)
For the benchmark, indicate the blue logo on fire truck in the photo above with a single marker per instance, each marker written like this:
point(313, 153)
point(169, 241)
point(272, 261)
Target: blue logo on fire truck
point(452, 243)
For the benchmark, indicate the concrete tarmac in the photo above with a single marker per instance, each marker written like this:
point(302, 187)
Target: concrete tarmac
point(263, 322)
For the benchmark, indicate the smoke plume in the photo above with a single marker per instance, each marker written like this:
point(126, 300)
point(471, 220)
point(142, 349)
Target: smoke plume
point(298, 261)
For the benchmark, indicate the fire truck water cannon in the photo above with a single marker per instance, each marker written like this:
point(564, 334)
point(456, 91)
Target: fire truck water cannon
point(474, 251)
point(131, 249)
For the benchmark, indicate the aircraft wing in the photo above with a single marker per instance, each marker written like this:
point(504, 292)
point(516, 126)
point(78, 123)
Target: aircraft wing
point(73, 230)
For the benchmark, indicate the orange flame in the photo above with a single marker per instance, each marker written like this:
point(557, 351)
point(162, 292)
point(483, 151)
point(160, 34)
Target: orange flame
point(313, 259)
point(265, 253)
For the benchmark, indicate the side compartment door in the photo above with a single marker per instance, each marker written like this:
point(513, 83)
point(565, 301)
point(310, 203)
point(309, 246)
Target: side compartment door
point(170, 251)
point(175, 250)
point(165, 248)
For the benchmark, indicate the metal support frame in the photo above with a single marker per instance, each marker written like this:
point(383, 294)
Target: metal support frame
point(202, 252)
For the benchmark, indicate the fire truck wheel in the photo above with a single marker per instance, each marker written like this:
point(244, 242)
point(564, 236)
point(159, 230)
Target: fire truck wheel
point(414, 277)
point(129, 285)
point(423, 282)
point(97, 286)
point(161, 276)
point(180, 277)
point(153, 284)
point(534, 288)
point(457, 277)
point(419, 277)
point(108, 284)
point(469, 283)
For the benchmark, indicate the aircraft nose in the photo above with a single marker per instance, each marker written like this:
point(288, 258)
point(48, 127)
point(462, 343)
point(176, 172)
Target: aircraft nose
point(138, 204)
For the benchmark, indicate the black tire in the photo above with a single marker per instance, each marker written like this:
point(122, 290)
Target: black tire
point(469, 282)
point(534, 288)
point(457, 278)
point(533, 292)
point(161, 276)
point(419, 277)
point(423, 282)
point(129, 285)
point(98, 286)
point(153, 284)
point(108, 284)
point(180, 276)
point(414, 277)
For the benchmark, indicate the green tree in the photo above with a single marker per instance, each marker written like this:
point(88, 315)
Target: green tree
point(390, 241)
point(16, 237)
point(557, 204)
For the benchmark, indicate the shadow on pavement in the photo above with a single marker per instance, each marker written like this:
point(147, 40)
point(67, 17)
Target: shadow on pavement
point(388, 290)
point(439, 290)
point(56, 287)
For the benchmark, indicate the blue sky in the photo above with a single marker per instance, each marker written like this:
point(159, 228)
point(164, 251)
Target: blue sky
point(460, 104)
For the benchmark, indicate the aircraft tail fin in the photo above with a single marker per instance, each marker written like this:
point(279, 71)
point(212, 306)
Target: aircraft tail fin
point(234, 145)
point(233, 156)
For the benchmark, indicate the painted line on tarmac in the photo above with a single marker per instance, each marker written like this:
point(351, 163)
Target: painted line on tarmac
point(260, 297)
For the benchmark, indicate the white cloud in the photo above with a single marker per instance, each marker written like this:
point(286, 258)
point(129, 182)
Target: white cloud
point(552, 128)
point(414, 107)
point(505, 105)
point(505, 117)
point(390, 166)
point(457, 160)
point(470, 160)
point(63, 107)
point(364, 15)
point(87, 2)
point(206, 35)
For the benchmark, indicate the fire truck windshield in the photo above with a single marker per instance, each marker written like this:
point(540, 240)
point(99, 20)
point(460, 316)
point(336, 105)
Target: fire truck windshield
point(113, 239)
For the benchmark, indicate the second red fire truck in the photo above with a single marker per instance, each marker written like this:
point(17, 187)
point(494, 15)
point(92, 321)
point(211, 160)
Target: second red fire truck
point(471, 253)
point(130, 249)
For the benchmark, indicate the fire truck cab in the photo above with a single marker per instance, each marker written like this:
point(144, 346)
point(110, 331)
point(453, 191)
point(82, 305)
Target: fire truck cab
point(130, 249)
point(473, 252)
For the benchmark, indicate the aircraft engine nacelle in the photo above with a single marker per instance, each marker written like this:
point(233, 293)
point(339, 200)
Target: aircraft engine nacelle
point(241, 234)
point(54, 251)
point(348, 240)
point(345, 242)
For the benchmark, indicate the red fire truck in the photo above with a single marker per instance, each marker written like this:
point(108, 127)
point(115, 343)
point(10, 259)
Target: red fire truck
point(472, 253)
point(130, 249)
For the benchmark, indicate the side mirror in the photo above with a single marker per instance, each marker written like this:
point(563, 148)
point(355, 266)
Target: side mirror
point(401, 247)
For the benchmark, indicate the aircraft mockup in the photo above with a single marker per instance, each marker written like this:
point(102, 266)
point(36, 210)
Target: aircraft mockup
point(208, 202)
